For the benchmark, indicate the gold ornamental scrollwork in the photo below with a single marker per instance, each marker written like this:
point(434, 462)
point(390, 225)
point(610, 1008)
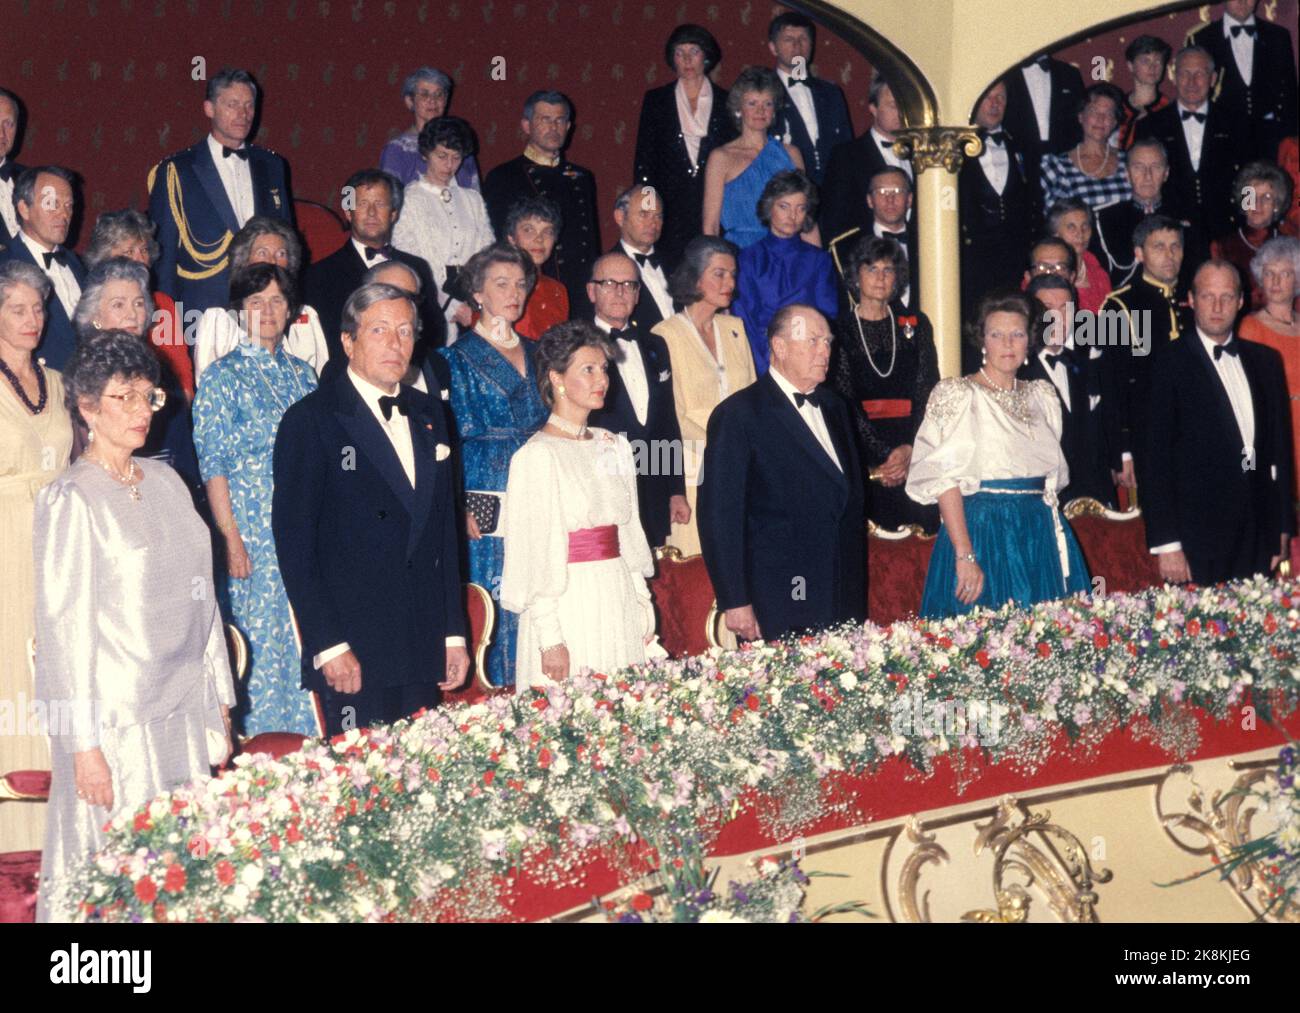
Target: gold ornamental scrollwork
point(915, 906)
point(1221, 824)
point(937, 147)
point(1029, 851)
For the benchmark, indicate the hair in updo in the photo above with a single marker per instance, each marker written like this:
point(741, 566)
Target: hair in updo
point(558, 346)
point(100, 356)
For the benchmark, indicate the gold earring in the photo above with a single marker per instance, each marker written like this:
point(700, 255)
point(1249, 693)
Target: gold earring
point(561, 390)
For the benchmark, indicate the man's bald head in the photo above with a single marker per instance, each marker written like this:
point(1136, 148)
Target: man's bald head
point(800, 339)
point(614, 287)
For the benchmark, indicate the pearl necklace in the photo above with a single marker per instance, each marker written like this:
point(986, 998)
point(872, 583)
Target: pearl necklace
point(510, 342)
point(129, 479)
point(893, 345)
point(565, 426)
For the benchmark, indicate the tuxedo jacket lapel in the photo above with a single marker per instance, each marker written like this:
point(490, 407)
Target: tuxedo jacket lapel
point(210, 179)
point(424, 445)
point(798, 428)
point(1222, 402)
point(371, 440)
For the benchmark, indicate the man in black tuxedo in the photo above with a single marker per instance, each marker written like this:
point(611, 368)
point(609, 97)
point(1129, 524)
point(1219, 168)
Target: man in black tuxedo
point(1217, 488)
point(200, 197)
point(365, 527)
point(372, 203)
point(9, 169)
point(1152, 310)
point(889, 201)
point(1085, 385)
point(639, 215)
point(1112, 234)
point(853, 163)
point(1257, 74)
point(1042, 114)
point(781, 517)
point(543, 171)
point(815, 117)
point(639, 402)
point(996, 206)
point(45, 202)
point(1206, 147)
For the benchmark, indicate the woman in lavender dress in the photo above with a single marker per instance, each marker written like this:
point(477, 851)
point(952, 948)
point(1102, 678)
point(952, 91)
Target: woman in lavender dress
point(426, 94)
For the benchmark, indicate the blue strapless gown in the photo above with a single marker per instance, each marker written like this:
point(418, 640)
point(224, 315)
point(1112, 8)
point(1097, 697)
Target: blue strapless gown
point(1014, 541)
point(740, 222)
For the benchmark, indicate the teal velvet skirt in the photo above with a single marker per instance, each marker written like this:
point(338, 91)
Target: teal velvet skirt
point(1014, 537)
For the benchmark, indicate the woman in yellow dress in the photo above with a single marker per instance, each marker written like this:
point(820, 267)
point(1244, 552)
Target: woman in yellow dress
point(710, 356)
point(35, 441)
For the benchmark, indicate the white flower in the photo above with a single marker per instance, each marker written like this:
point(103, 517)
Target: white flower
point(363, 905)
point(848, 681)
point(251, 875)
point(560, 765)
point(722, 917)
point(158, 808)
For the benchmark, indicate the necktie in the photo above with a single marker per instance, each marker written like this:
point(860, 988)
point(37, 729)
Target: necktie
point(387, 404)
point(998, 137)
point(1229, 347)
point(1238, 29)
point(372, 253)
point(792, 81)
point(813, 398)
point(240, 153)
point(55, 256)
point(647, 258)
point(1187, 114)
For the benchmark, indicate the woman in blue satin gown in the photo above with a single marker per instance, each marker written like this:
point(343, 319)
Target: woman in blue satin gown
point(736, 173)
point(989, 453)
point(495, 399)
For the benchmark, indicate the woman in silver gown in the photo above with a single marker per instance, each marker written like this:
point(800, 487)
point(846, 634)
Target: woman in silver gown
point(130, 654)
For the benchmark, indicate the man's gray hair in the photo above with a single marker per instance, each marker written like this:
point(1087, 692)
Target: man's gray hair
point(92, 294)
point(226, 77)
point(1187, 50)
point(25, 184)
point(554, 98)
point(19, 272)
point(624, 200)
point(117, 227)
point(366, 296)
point(372, 273)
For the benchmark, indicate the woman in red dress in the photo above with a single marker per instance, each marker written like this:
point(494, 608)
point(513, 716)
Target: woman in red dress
point(1263, 196)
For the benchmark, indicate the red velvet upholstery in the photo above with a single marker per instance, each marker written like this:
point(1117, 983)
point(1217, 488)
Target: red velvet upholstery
point(18, 874)
point(1117, 552)
point(32, 784)
point(683, 596)
point(895, 576)
point(322, 230)
point(273, 744)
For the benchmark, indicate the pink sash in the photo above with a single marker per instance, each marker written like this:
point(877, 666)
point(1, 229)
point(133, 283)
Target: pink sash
point(590, 545)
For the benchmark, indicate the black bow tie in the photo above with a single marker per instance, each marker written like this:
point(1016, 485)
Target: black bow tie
point(1043, 62)
point(371, 253)
point(1187, 114)
point(647, 258)
point(998, 137)
point(621, 334)
point(814, 398)
point(56, 256)
point(1229, 347)
point(1052, 358)
point(1238, 29)
point(240, 153)
point(792, 81)
point(387, 404)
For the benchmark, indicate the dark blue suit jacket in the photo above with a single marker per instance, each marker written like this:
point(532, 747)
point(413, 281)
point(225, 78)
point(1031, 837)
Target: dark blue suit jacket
point(833, 127)
point(365, 557)
point(60, 339)
point(781, 528)
point(210, 218)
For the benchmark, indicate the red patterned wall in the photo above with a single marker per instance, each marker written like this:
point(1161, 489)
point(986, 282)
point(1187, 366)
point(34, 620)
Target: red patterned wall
point(108, 89)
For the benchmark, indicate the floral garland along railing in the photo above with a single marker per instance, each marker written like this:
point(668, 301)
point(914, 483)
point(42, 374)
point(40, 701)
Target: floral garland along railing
point(425, 818)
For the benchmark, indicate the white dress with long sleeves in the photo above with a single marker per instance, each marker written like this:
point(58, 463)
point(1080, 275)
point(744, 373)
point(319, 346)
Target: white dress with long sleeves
point(600, 610)
point(972, 435)
point(442, 232)
point(219, 333)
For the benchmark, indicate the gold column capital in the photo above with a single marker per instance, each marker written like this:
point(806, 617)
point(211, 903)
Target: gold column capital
point(937, 147)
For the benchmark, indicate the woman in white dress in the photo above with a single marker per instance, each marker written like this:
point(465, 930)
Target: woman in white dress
point(262, 240)
point(989, 453)
point(576, 558)
point(443, 222)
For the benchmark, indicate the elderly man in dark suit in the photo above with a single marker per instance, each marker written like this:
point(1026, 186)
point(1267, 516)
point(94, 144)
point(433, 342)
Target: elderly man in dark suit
point(1257, 74)
point(815, 117)
point(200, 197)
point(855, 162)
point(365, 527)
point(639, 402)
point(1217, 484)
point(45, 201)
point(372, 211)
point(639, 214)
point(781, 517)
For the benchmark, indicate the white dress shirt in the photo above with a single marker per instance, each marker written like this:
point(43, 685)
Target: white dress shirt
point(653, 278)
point(380, 257)
point(996, 163)
point(801, 97)
point(1056, 372)
point(1243, 46)
point(66, 287)
point(886, 147)
point(1233, 377)
point(1039, 83)
point(236, 180)
point(632, 372)
point(7, 212)
point(811, 414)
point(1194, 132)
point(398, 431)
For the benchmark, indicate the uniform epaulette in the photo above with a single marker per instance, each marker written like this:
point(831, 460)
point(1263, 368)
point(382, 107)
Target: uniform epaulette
point(835, 249)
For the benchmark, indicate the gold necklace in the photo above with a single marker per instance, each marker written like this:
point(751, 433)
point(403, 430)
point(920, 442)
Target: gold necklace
point(1015, 402)
point(129, 479)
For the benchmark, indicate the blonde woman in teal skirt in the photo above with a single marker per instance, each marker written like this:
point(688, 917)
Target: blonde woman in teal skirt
point(989, 453)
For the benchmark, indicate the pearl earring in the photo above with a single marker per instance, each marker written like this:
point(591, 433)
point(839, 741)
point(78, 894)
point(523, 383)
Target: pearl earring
point(984, 356)
point(90, 435)
point(561, 390)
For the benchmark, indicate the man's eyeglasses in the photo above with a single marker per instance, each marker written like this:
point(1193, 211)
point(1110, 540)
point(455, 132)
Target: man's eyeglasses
point(889, 191)
point(611, 285)
point(1044, 267)
point(133, 399)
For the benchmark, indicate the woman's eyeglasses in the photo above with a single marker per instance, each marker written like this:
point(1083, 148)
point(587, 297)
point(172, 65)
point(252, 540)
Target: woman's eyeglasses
point(153, 399)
